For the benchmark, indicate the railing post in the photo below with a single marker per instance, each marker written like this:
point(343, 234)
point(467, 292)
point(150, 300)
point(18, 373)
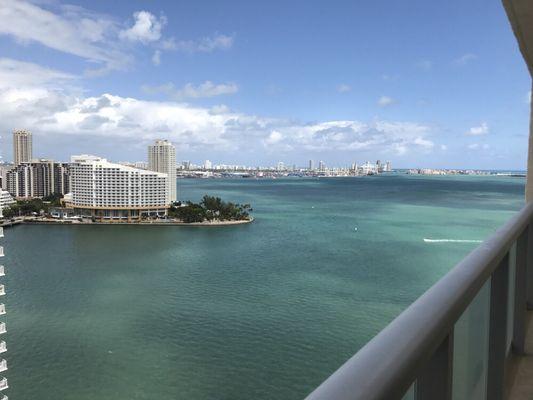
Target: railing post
point(520, 300)
point(499, 290)
point(435, 381)
point(529, 266)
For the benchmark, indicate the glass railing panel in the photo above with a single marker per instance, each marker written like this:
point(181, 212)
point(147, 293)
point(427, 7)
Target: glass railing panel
point(471, 345)
point(410, 394)
point(510, 297)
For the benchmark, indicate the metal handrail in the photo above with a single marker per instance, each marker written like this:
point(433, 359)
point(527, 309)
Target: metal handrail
point(387, 366)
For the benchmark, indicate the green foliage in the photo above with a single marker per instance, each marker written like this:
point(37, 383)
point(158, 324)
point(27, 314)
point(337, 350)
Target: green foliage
point(8, 212)
point(54, 199)
point(189, 213)
point(25, 207)
point(210, 208)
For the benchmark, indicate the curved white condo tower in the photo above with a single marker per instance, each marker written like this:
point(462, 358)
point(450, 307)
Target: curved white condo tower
point(108, 191)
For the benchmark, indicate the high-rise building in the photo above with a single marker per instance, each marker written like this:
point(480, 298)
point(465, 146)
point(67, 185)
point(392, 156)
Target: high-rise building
point(321, 166)
point(22, 146)
point(38, 179)
point(141, 164)
point(311, 166)
point(109, 191)
point(4, 169)
point(208, 165)
point(162, 158)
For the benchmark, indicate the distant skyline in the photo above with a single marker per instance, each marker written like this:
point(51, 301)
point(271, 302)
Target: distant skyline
point(438, 85)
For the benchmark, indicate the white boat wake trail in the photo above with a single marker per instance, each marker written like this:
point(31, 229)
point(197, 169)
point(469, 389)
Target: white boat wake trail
point(452, 241)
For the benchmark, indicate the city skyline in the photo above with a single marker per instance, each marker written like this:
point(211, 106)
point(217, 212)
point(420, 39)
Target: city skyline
point(114, 77)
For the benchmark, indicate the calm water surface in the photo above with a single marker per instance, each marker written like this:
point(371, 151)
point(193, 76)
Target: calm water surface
point(260, 311)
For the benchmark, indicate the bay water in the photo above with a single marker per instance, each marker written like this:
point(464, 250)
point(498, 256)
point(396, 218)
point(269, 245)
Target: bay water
point(260, 311)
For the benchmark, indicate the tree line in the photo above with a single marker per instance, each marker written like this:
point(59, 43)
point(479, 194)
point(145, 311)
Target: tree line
point(210, 208)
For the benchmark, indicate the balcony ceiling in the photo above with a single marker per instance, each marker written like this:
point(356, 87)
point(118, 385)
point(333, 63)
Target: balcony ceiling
point(520, 13)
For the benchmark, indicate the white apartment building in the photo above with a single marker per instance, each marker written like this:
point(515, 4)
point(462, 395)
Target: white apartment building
point(5, 200)
point(162, 158)
point(38, 179)
point(22, 147)
point(109, 191)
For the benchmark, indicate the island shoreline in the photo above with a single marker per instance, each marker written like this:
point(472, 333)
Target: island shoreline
point(72, 223)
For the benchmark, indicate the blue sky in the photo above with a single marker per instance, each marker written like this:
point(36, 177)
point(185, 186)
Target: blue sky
point(424, 84)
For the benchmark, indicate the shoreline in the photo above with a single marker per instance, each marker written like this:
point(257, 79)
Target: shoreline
point(74, 223)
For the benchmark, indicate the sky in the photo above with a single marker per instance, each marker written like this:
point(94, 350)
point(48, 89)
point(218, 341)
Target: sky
point(420, 83)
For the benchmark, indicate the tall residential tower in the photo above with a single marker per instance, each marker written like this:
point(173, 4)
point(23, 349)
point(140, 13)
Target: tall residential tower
point(162, 158)
point(22, 148)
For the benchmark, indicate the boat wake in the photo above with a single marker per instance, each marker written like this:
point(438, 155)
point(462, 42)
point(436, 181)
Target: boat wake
point(452, 241)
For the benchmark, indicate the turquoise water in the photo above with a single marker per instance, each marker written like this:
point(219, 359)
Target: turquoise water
point(260, 311)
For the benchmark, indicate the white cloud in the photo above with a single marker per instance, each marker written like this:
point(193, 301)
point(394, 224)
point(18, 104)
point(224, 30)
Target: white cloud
point(156, 58)
point(477, 146)
point(71, 30)
point(98, 39)
point(343, 88)
point(36, 98)
point(190, 91)
point(528, 97)
point(204, 45)
point(385, 101)
point(273, 138)
point(465, 59)
point(19, 74)
point(480, 130)
point(146, 28)
point(47, 111)
point(443, 147)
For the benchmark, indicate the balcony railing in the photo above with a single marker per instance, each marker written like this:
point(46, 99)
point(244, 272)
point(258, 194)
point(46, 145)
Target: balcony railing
point(458, 337)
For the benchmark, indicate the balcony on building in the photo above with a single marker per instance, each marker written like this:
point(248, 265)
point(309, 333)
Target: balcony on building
point(470, 336)
point(3, 386)
point(2, 272)
point(3, 365)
